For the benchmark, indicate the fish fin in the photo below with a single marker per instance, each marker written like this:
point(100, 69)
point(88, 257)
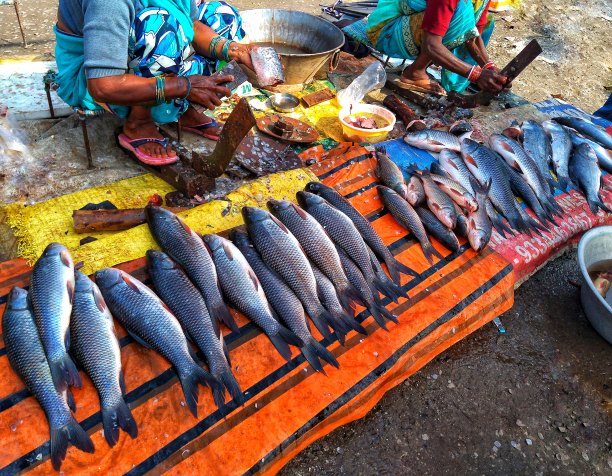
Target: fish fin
point(70, 289)
point(99, 300)
point(351, 322)
point(376, 311)
point(115, 417)
point(253, 278)
point(469, 159)
point(388, 288)
point(430, 252)
point(70, 400)
point(138, 339)
point(122, 382)
point(412, 168)
point(381, 149)
point(64, 372)
point(349, 295)
point(282, 339)
point(563, 182)
point(190, 380)
point(594, 205)
point(73, 433)
point(433, 205)
point(226, 377)
point(228, 251)
point(320, 321)
point(66, 259)
point(127, 279)
point(185, 226)
point(313, 350)
point(300, 211)
point(280, 224)
point(220, 312)
point(395, 267)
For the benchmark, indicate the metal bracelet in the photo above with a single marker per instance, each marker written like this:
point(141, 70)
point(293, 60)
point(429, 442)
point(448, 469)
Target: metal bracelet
point(213, 46)
point(225, 50)
point(188, 87)
point(160, 94)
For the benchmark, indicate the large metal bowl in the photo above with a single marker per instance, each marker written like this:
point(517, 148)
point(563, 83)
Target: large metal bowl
point(595, 246)
point(318, 41)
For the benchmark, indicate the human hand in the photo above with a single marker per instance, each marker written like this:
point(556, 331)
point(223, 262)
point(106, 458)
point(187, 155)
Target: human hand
point(204, 90)
point(492, 81)
point(241, 54)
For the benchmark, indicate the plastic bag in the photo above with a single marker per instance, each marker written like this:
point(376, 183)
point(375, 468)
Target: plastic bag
point(374, 77)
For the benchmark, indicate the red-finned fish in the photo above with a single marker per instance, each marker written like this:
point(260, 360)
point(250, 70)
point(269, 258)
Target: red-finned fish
point(433, 140)
point(389, 173)
point(479, 224)
point(438, 202)
point(267, 65)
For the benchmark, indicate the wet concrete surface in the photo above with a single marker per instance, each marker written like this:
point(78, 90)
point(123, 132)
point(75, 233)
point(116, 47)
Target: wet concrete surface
point(535, 400)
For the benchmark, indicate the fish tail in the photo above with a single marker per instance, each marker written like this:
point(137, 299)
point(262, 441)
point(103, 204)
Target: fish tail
point(313, 351)
point(563, 182)
point(388, 288)
point(220, 312)
point(395, 267)
point(190, 380)
point(552, 183)
point(64, 372)
point(347, 295)
point(282, 339)
point(351, 323)
point(378, 313)
point(115, 417)
point(430, 252)
point(499, 225)
point(70, 399)
point(321, 320)
point(73, 433)
point(224, 375)
point(596, 204)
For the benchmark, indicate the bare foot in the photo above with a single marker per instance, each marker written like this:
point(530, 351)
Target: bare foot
point(193, 118)
point(139, 125)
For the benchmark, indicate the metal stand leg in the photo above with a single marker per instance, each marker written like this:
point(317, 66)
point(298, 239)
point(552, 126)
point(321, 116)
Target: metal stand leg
point(18, 13)
point(48, 91)
point(179, 132)
point(86, 141)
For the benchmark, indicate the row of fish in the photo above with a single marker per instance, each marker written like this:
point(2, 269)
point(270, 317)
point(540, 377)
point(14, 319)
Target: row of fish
point(436, 204)
point(319, 258)
point(519, 163)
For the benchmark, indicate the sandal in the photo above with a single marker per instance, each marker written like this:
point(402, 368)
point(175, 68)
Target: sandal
point(430, 86)
point(200, 129)
point(131, 146)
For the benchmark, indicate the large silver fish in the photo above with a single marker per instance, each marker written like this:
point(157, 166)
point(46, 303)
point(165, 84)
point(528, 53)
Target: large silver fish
point(433, 140)
point(268, 67)
point(604, 156)
point(459, 194)
point(536, 144)
point(185, 247)
point(585, 173)
point(367, 231)
point(282, 252)
point(478, 222)
point(561, 144)
point(389, 173)
point(317, 245)
point(244, 291)
point(593, 131)
point(407, 217)
point(96, 349)
point(27, 358)
point(52, 293)
point(151, 323)
point(342, 231)
point(439, 202)
point(187, 304)
point(438, 229)
point(286, 304)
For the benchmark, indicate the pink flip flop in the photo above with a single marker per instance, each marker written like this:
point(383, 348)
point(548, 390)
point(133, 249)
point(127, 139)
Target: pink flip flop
point(131, 146)
point(200, 129)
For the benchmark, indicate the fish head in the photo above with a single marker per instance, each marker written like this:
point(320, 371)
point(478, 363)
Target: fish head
point(106, 278)
point(158, 215)
point(160, 260)
point(213, 242)
point(17, 299)
point(82, 284)
point(418, 138)
point(307, 199)
point(448, 217)
point(241, 239)
point(254, 215)
point(277, 207)
point(385, 191)
point(54, 249)
point(477, 237)
point(314, 187)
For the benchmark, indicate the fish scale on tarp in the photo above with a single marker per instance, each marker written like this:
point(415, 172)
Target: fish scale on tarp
point(288, 404)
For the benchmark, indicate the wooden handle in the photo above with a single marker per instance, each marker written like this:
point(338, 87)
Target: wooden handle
point(88, 221)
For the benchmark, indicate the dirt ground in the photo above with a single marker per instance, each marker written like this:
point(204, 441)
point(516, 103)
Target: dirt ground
point(575, 35)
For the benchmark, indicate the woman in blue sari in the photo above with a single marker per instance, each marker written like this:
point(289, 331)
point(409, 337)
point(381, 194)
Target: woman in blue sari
point(147, 60)
point(452, 34)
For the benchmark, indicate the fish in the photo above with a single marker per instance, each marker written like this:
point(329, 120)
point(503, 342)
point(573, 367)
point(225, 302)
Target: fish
point(407, 217)
point(593, 131)
point(188, 306)
point(389, 173)
point(282, 252)
point(267, 66)
point(433, 140)
point(185, 247)
point(96, 349)
point(396, 291)
point(317, 246)
point(365, 228)
point(458, 194)
point(436, 169)
point(461, 228)
point(438, 229)
point(416, 192)
point(483, 164)
point(561, 144)
point(26, 356)
point(536, 144)
point(438, 202)
point(479, 227)
point(585, 173)
point(343, 232)
point(522, 163)
point(329, 298)
point(377, 309)
point(149, 321)
point(244, 291)
point(286, 304)
point(604, 156)
point(460, 127)
point(52, 294)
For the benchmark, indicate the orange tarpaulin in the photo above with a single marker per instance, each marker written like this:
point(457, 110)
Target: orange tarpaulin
point(288, 404)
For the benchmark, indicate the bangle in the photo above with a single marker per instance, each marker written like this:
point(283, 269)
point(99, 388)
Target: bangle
point(188, 87)
point(474, 74)
point(213, 46)
point(489, 65)
point(160, 94)
point(225, 50)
